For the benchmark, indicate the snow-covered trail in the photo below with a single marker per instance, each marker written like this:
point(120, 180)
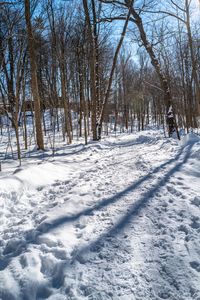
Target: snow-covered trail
point(118, 220)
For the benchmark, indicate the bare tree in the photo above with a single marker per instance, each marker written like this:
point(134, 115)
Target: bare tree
point(137, 20)
point(34, 81)
point(93, 62)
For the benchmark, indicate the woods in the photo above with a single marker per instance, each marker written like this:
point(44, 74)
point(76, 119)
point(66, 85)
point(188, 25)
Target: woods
point(87, 68)
point(100, 149)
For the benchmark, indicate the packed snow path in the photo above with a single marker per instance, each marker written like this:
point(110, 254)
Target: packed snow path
point(116, 220)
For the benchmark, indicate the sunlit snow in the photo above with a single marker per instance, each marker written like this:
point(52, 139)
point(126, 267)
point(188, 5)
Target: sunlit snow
point(118, 219)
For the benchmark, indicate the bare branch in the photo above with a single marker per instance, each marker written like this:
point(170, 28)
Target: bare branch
point(177, 6)
point(168, 13)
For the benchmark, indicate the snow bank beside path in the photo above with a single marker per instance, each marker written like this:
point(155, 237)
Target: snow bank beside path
point(117, 220)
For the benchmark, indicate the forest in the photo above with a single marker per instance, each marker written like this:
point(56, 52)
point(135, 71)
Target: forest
point(100, 150)
point(84, 68)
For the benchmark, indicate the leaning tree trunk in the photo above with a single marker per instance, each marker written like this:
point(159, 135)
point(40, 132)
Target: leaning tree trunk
point(171, 121)
point(34, 83)
point(110, 80)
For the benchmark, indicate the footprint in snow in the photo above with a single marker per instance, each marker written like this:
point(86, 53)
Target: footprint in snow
point(173, 191)
point(185, 188)
point(195, 223)
point(196, 201)
point(164, 295)
point(184, 228)
point(195, 265)
point(57, 183)
point(179, 183)
point(40, 188)
point(80, 224)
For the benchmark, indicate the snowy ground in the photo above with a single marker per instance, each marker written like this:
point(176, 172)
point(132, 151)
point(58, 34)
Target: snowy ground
point(118, 219)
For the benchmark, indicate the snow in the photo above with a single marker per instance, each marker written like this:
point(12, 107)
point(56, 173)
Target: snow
point(116, 220)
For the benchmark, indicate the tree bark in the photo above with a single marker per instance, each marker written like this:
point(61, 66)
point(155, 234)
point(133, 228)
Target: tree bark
point(107, 95)
point(34, 83)
point(92, 63)
point(193, 60)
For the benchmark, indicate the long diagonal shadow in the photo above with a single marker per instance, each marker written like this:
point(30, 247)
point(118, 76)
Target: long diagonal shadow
point(137, 206)
point(31, 237)
point(46, 227)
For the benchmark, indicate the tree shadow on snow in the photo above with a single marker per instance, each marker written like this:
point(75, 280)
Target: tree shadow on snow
point(31, 236)
point(46, 227)
point(135, 209)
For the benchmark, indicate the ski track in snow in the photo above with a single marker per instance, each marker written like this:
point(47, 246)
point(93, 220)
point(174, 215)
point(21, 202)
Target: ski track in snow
point(123, 224)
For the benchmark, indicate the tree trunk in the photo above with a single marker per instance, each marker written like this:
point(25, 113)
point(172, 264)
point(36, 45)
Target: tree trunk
point(107, 95)
point(92, 63)
point(65, 101)
point(34, 83)
point(193, 60)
